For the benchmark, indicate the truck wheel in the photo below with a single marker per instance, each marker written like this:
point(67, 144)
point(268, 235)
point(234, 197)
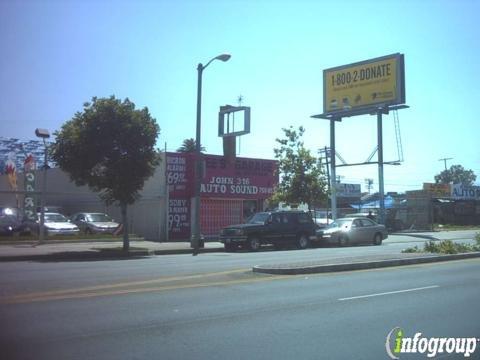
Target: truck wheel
point(230, 247)
point(253, 243)
point(302, 242)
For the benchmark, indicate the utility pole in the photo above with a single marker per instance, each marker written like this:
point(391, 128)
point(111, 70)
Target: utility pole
point(445, 161)
point(381, 189)
point(326, 152)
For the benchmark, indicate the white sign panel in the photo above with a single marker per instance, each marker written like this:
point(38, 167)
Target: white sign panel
point(462, 192)
point(348, 190)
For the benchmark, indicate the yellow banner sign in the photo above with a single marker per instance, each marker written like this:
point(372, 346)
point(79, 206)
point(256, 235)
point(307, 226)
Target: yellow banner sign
point(364, 85)
point(439, 190)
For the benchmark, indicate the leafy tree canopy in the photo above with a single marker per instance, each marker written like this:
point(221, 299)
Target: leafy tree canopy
point(189, 145)
point(109, 146)
point(301, 176)
point(456, 175)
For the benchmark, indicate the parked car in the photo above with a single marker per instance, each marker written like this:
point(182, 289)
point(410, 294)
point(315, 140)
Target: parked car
point(370, 215)
point(10, 220)
point(55, 224)
point(92, 223)
point(276, 227)
point(354, 230)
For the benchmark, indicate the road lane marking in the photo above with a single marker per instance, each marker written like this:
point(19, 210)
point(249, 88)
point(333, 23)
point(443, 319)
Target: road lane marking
point(83, 295)
point(389, 293)
point(78, 292)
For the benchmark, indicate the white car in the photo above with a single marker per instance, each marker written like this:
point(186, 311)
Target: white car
point(354, 230)
point(92, 223)
point(57, 224)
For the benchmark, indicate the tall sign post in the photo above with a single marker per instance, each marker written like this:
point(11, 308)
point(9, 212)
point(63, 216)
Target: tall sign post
point(374, 87)
point(29, 201)
point(44, 134)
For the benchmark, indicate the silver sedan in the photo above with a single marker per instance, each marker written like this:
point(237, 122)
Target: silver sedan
point(355, 230)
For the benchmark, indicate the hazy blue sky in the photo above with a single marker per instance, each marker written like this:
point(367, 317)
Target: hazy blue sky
point(55, 55)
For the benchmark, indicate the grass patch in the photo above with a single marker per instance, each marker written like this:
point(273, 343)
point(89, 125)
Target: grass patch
point(414, 249)
point(446, 247)
point(450, 227)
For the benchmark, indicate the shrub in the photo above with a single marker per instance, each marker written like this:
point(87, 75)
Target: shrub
point(414, 249)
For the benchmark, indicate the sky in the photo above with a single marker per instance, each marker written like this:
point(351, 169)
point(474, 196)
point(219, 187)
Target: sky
point(56, 55)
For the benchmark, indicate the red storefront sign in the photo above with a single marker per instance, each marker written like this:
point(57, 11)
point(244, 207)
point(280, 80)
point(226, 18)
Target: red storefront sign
point(242, 178)
point(180, 174)
point(179, 210)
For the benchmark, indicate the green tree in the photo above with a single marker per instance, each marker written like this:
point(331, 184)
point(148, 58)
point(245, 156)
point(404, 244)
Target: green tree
point(456, 175)
point(301, 177)
point(188, 146)
point(109, 146)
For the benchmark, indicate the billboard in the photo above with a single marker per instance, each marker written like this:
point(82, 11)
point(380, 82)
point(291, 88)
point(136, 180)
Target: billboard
point(465, 192)
point(361, 87)
point(348, 190)
point(437, 190)
point(226, 121)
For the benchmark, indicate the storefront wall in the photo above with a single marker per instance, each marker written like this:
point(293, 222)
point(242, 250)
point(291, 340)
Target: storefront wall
point(230, 191)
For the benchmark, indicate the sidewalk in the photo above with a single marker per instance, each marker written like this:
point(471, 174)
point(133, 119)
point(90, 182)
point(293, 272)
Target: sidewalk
point(59, 250)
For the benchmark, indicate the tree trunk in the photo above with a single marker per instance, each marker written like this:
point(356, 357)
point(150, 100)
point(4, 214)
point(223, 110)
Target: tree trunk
point(126, 242)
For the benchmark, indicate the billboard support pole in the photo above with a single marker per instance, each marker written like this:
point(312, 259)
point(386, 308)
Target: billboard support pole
point(381, 185)
point(328, 181)
point(333, 178)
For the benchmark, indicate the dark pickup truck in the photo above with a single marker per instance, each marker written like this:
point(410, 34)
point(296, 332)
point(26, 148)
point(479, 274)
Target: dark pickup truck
point(278, 228)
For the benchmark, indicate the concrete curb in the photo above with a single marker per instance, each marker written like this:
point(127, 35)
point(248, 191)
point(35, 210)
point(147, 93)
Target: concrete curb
point(418, 236)
point(186, 251)
point(101, 254)
point(64, 241)
point(314, 269)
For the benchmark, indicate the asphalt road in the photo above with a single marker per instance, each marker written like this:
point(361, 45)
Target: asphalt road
point(213, 307)
point(20, 277)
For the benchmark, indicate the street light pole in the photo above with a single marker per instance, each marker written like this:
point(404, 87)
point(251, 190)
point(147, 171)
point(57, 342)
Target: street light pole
point(195, 240)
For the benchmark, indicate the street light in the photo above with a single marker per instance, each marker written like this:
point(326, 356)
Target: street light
point(43, 134)
point(195, 241)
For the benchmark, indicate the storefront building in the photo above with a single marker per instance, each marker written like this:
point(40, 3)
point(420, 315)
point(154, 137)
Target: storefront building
point(231, 190)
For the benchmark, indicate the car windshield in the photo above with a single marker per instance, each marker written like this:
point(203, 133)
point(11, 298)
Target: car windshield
point(320, 214)
point(98, 218)
point(55, 218)
point(258, 218)
point(339, 223)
